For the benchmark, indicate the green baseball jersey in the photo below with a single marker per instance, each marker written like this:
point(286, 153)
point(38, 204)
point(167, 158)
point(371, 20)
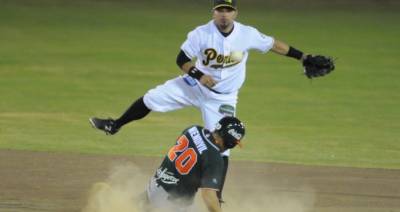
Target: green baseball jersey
point(194, 162)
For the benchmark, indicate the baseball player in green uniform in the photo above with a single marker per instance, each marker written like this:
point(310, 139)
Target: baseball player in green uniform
point(194, 163)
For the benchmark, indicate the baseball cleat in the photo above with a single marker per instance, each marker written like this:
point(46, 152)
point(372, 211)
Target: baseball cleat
point(106, 125)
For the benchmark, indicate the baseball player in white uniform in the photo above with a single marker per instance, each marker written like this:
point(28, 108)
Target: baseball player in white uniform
point(213, 59)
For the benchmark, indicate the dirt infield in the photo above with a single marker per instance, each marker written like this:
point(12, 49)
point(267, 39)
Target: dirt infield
point(37, 181)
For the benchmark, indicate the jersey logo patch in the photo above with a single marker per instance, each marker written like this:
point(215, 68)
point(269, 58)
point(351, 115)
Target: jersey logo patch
point(166, 177)
point(235, 134)
point(227, 110)
point(190, 81)
point(220, 61)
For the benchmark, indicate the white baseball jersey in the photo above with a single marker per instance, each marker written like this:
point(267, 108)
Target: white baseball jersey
point(213, 51)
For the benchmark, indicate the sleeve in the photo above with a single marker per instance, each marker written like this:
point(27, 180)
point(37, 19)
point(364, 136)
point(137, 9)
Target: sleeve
point(191, 47)
point(211, 172)
point(181, 59)
point(260, 41)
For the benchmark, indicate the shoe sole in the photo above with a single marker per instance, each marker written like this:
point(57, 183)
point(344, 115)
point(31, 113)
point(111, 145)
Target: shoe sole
point(92, 123)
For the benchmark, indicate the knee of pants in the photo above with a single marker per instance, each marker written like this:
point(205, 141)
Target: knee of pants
point(155, 102)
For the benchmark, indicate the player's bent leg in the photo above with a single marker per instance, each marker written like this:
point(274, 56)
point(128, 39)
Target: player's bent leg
point(137, 110)
point(213, 111)
point(172, 95)
point(158, 199)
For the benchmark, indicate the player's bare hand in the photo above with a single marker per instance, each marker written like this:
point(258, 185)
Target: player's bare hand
point(207, 81)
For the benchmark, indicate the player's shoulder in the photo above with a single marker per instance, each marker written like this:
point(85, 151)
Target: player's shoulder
point(245, 28)
point(198, 133)
point(205, 28)
point(198, 130)
point(194, 131)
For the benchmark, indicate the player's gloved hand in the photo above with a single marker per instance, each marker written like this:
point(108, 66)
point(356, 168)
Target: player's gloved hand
point(207, 81)
point(317, 66)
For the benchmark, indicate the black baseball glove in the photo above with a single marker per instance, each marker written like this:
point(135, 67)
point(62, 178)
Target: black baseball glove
point(317, 66)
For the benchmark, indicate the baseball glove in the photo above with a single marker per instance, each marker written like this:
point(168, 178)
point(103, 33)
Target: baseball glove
point(317, 66)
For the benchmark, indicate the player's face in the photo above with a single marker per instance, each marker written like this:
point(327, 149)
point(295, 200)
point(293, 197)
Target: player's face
point(224, 17)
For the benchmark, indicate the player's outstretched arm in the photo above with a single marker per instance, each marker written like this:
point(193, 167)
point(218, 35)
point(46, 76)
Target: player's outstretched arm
point(314, 66)
point(284, 49)
point(210, 199)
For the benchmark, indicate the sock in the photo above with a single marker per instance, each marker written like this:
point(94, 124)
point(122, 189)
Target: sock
point(136, 111)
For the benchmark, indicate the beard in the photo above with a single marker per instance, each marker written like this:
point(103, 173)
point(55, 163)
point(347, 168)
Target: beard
point(224, 24)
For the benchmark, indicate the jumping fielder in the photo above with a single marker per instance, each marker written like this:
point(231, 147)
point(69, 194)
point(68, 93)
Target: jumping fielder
point(195, 162)
point(212, 81)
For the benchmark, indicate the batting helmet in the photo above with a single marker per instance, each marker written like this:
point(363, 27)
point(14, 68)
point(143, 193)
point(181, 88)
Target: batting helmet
point(231, 131)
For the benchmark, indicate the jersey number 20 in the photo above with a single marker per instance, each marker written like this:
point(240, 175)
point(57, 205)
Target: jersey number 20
point(185, 161)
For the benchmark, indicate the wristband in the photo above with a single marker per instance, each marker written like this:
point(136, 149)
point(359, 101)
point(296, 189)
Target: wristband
point(195, 73)
point(294, 53)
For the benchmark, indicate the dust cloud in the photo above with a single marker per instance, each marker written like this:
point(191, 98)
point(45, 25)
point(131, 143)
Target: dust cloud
point(126, 184)
point(119, 193)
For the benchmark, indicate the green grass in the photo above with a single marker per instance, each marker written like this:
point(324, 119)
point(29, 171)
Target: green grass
point(61, 63)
